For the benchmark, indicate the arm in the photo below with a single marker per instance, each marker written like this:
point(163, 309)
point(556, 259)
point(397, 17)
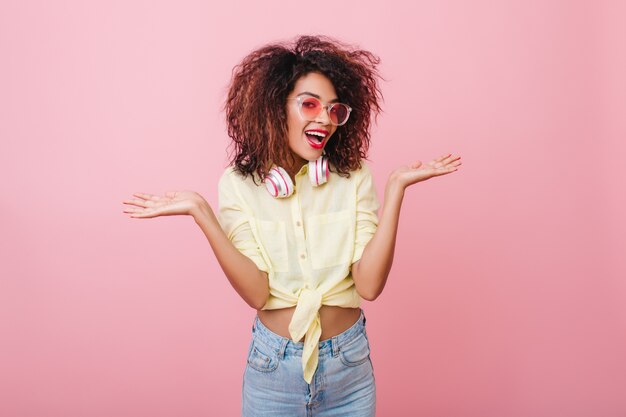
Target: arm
point(371, 271)
point(230, 237)
point(246, 278)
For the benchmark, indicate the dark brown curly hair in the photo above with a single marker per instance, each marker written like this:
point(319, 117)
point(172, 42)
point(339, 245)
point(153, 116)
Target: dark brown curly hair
point(257, 96)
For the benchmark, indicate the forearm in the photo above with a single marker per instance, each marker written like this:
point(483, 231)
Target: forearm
point(371, 271)
point(250, 283)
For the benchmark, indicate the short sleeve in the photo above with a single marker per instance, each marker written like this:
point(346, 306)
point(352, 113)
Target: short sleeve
point(367, 206)
point(234, 221)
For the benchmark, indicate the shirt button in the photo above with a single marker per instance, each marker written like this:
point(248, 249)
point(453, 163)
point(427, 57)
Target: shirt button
point(298, 223)
point(303, 256)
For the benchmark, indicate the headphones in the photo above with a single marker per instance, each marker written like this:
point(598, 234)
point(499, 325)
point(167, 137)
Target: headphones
point(279, 184)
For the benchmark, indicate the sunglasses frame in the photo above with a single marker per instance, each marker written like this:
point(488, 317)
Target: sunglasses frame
point(326, 106)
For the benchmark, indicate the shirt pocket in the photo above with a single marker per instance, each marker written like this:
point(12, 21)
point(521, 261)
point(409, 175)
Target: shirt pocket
point(331, 238)
point(274, 239)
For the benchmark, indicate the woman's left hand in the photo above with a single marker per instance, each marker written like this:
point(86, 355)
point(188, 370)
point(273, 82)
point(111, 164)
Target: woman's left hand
point(410, 174)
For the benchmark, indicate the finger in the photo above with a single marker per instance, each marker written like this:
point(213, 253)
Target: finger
point(447, 170)
point(149, 200)
point(441, 158)
point(136, 202)
point(146, 196)
point(444, 160)
point(144, 203)
point(145, 213)
point(443, 170)
point(436, 162)
point(451, 158)
point(140, 210)
point(452, 164)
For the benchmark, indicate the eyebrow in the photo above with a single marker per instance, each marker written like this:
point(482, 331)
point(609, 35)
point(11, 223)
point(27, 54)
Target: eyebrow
point(335, 100)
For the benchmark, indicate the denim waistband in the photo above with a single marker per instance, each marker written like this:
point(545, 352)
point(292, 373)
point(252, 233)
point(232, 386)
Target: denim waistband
point(283, 345)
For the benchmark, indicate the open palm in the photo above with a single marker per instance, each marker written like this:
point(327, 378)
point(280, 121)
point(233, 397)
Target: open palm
point(172, 203)
point(410, 174)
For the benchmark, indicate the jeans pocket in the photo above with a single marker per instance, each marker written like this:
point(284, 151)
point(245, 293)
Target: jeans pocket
point(356, 352)
point(261, 358)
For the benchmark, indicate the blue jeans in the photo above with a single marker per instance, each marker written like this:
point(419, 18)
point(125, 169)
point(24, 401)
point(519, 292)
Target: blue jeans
point(343, 384)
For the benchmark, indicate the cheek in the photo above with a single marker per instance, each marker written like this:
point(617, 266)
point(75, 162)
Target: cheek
point(294, 133)
point(293, 130)
point(293, 125)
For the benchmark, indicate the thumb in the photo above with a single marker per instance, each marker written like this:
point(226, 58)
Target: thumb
point(416, 164)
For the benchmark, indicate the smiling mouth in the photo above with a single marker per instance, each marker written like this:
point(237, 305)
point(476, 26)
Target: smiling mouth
point(316, 136)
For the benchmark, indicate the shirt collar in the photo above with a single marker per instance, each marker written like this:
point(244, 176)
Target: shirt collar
point(304, 170)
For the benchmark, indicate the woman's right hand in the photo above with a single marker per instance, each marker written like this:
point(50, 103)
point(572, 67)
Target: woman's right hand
point(172, 203)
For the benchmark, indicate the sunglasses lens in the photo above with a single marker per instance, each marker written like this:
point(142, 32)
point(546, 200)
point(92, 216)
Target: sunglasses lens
point(311, 107)
point(339, 113)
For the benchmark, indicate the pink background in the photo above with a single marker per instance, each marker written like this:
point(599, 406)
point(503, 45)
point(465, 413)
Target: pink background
point(507, 295)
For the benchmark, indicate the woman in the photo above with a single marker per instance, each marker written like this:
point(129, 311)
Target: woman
point(297, 232)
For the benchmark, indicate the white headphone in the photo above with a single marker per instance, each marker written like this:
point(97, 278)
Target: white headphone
point(279, 184)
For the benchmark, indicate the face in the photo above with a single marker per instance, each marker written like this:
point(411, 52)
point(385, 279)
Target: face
point(307, 147)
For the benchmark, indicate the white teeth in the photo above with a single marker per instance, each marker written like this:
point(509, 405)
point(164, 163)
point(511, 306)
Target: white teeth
point(320, 134)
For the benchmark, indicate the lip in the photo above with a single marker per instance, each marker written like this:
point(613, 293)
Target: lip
point(315, 145)
point(325, 132)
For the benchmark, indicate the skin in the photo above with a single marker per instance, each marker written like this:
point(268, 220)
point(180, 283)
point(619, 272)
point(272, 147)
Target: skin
point(321, 86)
point(370, 272)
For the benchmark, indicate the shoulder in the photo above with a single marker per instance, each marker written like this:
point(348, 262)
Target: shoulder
point(232, 175)
point(364, 179)
point(355, 174)
point(230, 171)
point(225, 178)
point(362, 173)
point(365, 168)
point(232, 180)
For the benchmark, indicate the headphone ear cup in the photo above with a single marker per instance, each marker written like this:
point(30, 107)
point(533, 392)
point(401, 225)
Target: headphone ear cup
point(318, 171)
point(278, 183)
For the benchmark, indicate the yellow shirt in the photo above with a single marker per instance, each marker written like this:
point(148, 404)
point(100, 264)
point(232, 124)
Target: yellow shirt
point(306, 243)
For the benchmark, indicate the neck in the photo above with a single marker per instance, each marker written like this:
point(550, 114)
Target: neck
point(293, 170)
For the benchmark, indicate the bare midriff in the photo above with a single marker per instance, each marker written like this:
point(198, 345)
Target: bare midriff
point(334, 320)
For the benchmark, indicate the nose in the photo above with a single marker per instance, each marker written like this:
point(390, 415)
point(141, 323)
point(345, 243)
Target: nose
point(323, 116)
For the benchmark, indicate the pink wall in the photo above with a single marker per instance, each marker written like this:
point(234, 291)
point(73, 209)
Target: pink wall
point(507, 295)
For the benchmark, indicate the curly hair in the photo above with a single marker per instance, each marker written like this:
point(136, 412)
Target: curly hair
point(257, 96)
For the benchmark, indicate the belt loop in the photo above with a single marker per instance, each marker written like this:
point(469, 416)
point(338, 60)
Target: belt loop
point(254, 324)
point(335, 345)
point(283, 347)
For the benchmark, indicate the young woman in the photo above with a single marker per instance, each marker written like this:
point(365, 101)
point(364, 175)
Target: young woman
point(297, 232)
